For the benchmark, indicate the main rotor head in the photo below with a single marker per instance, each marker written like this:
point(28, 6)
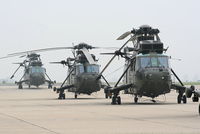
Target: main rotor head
point(83, 45)
point(145, 29)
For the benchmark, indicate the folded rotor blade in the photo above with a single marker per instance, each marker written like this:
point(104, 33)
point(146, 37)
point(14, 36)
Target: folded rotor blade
point(123, 36)
point(88, 56)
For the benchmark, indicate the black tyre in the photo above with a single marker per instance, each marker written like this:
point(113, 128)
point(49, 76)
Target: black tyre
point(75, 96)
point(20, 87)
point(49, 86)
point(179, 99)
point(199, 109)
point(195, 98)
point(113, 100)
point(119, 100)
point(106, 95)
point(63, 96)
point(60, 96)
point(184, 99)
point(135, 99)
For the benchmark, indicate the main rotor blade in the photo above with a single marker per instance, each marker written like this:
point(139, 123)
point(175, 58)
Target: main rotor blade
point(106, 48)
point(18, 63)
point(59, 62)
point(123, 36)
point(6, 57)
point(39, 50)
point(22, 56)
point(55, 62)
point(115, 56)
point(107, 53)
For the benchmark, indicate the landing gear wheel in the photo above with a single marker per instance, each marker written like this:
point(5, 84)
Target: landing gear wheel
point(184, 99)
point(136, 99)
point(75, 96)
point(106, 95)
point(49, 86)
point(199, 109)
point(20, 86)
point(195, 98)
point(119, 100)
point(179, 99)
point(114, 100)
point(29, 86)
point(61, 96)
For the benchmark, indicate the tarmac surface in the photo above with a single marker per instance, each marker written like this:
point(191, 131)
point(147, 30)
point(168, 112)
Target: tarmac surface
point(37, 111)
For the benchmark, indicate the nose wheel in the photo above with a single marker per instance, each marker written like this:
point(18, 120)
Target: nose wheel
point(199, 109)
point(181, 98)
point(75, 96)
point(61, 96)
point(20, 86)
point(116, 100)
point(136, 99)
point(49, 86)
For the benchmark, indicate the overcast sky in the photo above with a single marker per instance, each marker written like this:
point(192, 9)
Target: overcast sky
point(35, 24)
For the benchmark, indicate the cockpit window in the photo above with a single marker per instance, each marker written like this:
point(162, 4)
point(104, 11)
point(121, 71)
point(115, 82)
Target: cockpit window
point(87, 69)
point(80, 69)
point(163, 61)
point(154, 61)
point(37, 70)
point(145, 62)
point(92, 69)
point(160, 61)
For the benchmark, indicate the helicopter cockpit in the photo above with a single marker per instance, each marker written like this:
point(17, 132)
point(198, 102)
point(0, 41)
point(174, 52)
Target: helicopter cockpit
point(37, 70)
point(152, 61)
point(90, 68)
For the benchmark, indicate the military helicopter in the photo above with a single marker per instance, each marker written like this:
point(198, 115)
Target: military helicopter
point(34, 73)
point(147, 71)
point(83, 71)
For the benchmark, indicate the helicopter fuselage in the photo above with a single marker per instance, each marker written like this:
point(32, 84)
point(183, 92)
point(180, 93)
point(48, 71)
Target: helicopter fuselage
point(84, 79)
point(34, 75)
point(86, 83)
point(150, 74)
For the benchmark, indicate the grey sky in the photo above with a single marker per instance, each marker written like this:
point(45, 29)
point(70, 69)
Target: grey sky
point(34, 24)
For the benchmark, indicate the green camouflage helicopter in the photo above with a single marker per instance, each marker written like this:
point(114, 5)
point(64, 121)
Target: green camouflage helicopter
point(83, 71)
point(147, 71)
point(34, 72)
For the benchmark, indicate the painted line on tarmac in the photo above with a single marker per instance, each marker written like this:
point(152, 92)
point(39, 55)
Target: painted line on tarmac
point(27, 122)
